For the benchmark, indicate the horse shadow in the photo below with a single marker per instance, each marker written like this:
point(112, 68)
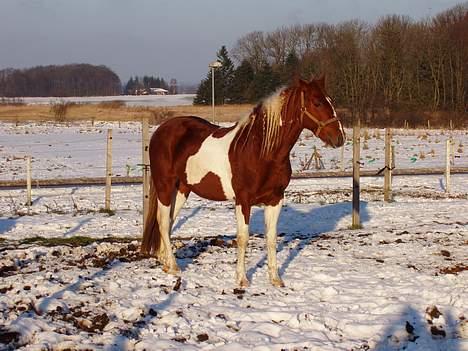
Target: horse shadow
point(411, 330)
point(293, 224)
point(7, 224)
point(77, 228)
point(183, 219)
point(306, 227)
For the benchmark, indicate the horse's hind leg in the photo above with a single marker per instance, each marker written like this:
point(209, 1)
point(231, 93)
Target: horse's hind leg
point(243, 217)
point(178, 200)
point(165, 203)
point(271, 220)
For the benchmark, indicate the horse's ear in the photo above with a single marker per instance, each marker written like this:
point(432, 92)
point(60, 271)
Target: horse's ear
point(321, 81)
point(296, 79)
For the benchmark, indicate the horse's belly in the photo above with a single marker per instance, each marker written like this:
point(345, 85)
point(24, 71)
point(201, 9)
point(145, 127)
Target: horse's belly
point(209, 170)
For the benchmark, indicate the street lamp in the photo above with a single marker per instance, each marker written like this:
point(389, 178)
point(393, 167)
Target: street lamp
point(213, 65)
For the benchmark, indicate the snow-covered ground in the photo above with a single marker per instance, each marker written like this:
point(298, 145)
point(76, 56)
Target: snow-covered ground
point(71, 276)
point(130, 100)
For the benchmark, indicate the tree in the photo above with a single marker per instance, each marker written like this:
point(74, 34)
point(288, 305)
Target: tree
point(251, 47)
point(265, 82)
point(241, 83)
point(203, 95)
point(291, 67)
point(223, 81)
point(65, 80)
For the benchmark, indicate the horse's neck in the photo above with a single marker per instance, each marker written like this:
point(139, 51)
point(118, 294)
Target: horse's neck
point(289, 139)
point(288, 132)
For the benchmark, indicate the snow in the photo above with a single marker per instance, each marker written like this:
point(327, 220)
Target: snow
point(398, 283)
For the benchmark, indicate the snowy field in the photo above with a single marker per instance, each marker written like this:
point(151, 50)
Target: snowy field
point(130, 100)
point(60, 151)
point(71, 277)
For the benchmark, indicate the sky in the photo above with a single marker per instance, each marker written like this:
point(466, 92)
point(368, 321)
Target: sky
point(165, 38)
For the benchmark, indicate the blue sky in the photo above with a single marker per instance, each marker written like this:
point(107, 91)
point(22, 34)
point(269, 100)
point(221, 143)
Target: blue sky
point(168, 38)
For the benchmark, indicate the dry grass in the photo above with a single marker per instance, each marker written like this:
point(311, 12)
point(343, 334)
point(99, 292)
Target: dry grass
point(117, 112)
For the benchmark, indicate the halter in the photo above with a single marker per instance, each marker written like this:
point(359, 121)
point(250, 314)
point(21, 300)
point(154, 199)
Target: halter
point(320, 124)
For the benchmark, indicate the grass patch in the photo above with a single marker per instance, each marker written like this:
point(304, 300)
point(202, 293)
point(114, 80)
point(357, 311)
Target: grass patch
point(108, 212)
point(114, 104)
point(74, 241)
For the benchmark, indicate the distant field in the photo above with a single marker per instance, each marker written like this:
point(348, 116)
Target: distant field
point(128, 100)
point(116, 111)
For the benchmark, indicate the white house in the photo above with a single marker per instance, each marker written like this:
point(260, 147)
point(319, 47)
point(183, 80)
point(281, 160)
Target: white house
point(158, 91)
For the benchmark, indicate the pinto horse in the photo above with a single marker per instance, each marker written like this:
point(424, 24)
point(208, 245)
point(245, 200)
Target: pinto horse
point(247, 162)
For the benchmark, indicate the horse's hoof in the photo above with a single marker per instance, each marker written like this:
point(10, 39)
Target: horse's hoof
point(243, 283)
point(278, 282)
point(174, 270)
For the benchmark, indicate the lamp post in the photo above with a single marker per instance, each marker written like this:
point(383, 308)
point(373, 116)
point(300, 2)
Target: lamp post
point(213, 65)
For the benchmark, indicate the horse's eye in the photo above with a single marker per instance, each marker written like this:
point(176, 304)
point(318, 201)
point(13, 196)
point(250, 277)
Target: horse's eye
point(317, 103)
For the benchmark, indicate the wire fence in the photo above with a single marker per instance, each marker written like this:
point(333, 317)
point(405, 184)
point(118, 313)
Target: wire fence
point(77, 152)
point(62, 152)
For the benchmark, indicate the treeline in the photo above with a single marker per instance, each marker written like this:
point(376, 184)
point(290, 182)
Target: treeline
point(394, 65)
point(145, 83)
point(64, 80)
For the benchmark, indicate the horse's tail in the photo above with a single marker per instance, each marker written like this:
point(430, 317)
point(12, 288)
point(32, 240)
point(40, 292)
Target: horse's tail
point(151, 237)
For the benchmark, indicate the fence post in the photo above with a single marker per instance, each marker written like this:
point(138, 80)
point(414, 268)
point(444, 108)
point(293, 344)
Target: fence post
point(342, 158)
point(447, 166)
point(356, 221)
point(28, 182)
point(388, 166)
point(108, 170)
point(146, 173)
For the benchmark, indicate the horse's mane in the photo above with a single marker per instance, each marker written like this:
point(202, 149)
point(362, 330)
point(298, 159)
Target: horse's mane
point(268, 114)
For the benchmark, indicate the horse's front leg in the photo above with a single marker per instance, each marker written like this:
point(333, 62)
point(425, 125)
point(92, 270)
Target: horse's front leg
point(243, 217)
point(271, 221)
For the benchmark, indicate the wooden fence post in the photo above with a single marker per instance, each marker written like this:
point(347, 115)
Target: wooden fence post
point(342, 158)
point(447, 166)
point(108, 170)
point(356, 221)
point(28, 182)
point(388, 166)
point(146, 170)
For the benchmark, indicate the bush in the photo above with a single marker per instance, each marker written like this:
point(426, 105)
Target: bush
point(59, 109)
point(160, 114)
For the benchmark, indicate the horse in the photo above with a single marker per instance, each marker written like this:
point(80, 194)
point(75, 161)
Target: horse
point(247, 163)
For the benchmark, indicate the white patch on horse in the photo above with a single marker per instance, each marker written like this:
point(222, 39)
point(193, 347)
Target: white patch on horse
point(213, 156)
point(331, 105)
point(334, 115)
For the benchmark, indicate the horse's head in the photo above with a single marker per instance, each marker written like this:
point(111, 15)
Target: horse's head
point(318, 113)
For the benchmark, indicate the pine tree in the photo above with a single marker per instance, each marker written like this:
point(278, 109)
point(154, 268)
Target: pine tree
point(223, 77)
point(129, 87)
point(223, 80)
point(290, 68)
point(241, 83)
point(203, 96)
point(265, 82)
